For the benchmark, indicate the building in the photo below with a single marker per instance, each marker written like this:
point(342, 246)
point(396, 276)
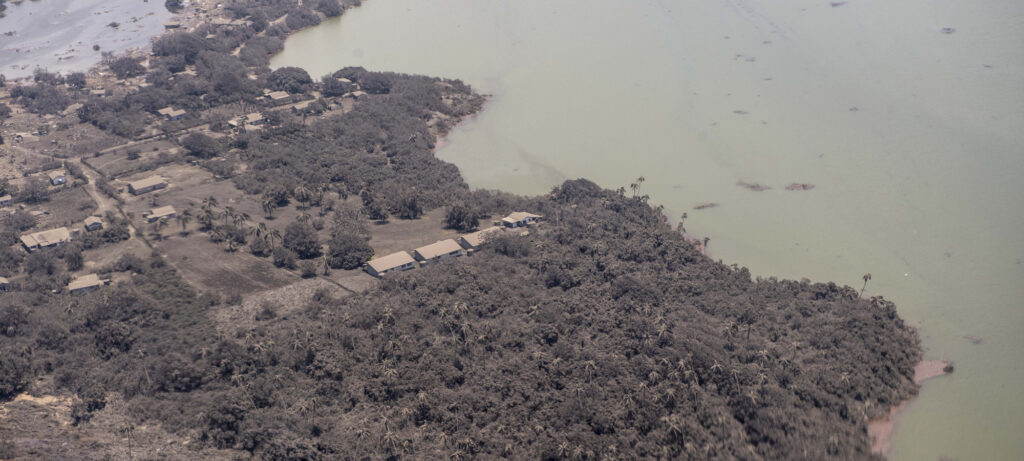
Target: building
point(57, 177)
point(400, 261)
point(357, 95)
point(156, 214)
point(85, 283)
point(25, 137)
point(149, 184)
point(300, 108)
point(437, 251)
point(46, 239)
point(277, 95)
point(519, 219)
point(4, 284)
point(99, 92)
point(170, 113)
point(249, 121)
point(6, 200)
point(474, 240)
point(93, 223)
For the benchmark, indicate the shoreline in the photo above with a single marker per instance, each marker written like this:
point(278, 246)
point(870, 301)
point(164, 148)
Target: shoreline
point(881, 429)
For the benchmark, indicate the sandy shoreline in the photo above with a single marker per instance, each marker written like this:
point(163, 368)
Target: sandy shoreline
point(880, 430)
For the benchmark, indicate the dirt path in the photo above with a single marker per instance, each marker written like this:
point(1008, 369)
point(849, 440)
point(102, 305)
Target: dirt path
point(104, 203)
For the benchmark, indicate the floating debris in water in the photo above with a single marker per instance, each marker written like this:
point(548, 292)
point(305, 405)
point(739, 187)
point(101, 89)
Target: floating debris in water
point(948, 30)
point(854, 109)
point(705, 206)
point(753, 186)
point(973, 339)
point(740, 112)
point(800, 186)
point(836, 4)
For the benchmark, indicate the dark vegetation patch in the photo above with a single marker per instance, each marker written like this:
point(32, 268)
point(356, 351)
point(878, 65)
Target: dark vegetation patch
point(602, 328)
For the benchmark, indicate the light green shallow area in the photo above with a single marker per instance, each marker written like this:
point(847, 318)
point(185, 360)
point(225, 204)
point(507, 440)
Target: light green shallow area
point(912, 136)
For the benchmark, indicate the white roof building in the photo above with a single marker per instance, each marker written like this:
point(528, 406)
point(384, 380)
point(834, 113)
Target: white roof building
point(392, 262)
point(438, 250)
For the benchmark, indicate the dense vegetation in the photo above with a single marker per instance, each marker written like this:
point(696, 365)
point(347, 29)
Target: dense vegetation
point(605, 333)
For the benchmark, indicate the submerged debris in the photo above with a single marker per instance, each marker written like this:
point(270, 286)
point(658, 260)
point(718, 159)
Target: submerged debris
point(705, 206)
point(800, 186)
point(753, 186)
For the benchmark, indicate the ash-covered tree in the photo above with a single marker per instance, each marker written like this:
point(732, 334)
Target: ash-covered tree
point(201, 145)
point(329, 8)
point(76, 80)
point(348, 251)
point(184, 44)
point(373, 209)
point(408, 206)
point(290, 79)
point(461, 218)
point(301, 238)
point(126, 67)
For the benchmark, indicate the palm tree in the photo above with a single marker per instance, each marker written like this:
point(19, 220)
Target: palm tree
point(157, 225)
point(268, 205)
point(866, 278)
point(210, 202)
point(682, 223)
point(129, 430)
point(302, 194)
point(240, 218)
point(259, 231)
point(304, 218)
point(273, 234)
point(229, 213)
point(184, 218)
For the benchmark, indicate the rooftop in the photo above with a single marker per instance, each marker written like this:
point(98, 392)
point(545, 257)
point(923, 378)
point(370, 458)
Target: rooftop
point(476, 238)
point(146, 183)
point(161, 212)
point(93, 220)
point(56, 174)
point(520, 216)
point(391, 261)
point(85, 281)
point(47, 237)
point(275, 95)
point(438, 249)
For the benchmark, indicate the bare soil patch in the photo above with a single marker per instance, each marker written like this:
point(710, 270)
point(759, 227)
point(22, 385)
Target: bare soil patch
point(402, 234)
point(206, 266)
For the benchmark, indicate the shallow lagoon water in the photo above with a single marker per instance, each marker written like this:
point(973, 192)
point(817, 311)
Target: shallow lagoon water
point(910, 133)
point(58, 35)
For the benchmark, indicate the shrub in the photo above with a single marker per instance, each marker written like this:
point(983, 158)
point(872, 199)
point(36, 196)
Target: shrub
point(301, 238)
point(307, 269)
point(348, 251)
point(126, 67)
point(461, 218)
point(284, 257)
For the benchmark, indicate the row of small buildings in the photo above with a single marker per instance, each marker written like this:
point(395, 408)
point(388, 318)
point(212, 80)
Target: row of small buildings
point(448, 248)
point(79, 285)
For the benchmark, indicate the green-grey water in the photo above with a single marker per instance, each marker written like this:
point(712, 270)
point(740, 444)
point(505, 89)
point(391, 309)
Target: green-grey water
point(911, 134)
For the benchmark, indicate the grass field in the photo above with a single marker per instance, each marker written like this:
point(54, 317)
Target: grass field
point(206, 266)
